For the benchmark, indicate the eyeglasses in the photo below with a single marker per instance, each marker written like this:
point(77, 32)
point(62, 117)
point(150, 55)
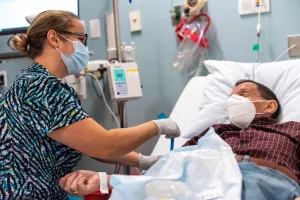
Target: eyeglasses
point(78, 34)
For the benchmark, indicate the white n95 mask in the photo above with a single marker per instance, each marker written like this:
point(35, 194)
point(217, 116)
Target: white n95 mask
point(241, 110)
point(77, 61)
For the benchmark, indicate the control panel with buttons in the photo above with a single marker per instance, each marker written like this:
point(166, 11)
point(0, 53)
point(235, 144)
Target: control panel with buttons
point(122, 88)
point(124, 81)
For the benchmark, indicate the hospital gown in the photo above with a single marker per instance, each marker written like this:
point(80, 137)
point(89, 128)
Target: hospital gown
point(31, 163)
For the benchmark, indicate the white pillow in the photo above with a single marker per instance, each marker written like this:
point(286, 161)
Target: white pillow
point(223, 77)
point(220, 82)
point(283, 78)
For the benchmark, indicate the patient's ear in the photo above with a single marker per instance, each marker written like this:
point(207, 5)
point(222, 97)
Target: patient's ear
point(271, 107)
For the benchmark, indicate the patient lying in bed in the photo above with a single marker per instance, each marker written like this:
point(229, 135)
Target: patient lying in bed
point(267, 151)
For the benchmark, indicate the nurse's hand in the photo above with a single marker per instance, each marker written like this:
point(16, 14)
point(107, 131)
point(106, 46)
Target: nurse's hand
point(146, 162)
point(167, 127)
point(82, 182)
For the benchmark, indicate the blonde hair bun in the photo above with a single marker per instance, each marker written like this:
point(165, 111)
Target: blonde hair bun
point(32, 44)
point(19, 42)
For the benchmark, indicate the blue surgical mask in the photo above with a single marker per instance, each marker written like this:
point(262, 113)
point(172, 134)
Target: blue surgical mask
point(77, 61)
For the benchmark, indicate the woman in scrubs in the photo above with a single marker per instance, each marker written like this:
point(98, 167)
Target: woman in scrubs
point(44, 129)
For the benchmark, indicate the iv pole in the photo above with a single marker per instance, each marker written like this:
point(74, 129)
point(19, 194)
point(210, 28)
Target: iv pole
point(121, 105)
point(117, 29)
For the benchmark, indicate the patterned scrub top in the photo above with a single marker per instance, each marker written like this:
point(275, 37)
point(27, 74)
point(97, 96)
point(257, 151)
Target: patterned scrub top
point(31, 163)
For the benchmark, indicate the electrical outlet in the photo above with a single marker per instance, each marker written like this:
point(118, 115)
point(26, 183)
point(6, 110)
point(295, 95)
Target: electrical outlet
point(294, 39)
point(3, 79)
point(135, 21)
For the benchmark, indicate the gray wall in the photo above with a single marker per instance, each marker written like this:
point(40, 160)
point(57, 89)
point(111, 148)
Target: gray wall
point(231, 37)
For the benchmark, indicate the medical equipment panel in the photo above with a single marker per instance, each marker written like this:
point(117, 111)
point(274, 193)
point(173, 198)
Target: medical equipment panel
point(124, 81)
point(247, 7)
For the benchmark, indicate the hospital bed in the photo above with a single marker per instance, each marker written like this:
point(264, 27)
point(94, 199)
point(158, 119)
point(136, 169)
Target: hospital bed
point(184, 111)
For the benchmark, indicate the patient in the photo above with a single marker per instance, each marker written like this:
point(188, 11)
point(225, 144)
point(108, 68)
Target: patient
point(267, 151)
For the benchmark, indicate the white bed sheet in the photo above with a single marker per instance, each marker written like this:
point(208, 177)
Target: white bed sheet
point(185, 110)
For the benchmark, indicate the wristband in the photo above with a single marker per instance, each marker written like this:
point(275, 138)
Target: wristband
point(103, 183)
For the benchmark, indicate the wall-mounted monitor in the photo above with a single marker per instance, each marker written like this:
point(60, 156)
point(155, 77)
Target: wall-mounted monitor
point(13, 13)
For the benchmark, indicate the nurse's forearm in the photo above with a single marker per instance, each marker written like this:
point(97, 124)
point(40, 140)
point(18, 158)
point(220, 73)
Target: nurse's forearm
point(129, 139)
point(88, 137)
point(131, 160)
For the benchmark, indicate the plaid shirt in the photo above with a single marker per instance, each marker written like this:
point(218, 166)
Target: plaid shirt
point(266, 139)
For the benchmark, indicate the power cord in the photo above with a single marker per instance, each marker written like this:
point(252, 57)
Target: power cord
point(95, 89)
point(104, 99)
point(258, 32)
point(113, 60)
point(285, 51)
point(76, 82)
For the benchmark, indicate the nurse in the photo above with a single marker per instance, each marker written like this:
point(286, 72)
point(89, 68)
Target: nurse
point(44, 129)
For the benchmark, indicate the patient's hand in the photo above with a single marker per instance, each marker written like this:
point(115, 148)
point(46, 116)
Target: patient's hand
point(82, 182)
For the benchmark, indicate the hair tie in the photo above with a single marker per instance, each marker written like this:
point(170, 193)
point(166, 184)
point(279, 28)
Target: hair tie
point(28, 47)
